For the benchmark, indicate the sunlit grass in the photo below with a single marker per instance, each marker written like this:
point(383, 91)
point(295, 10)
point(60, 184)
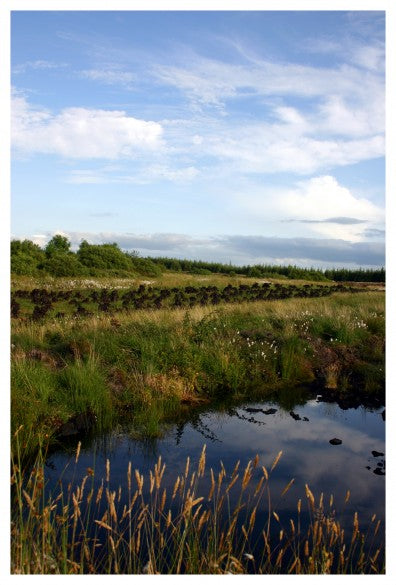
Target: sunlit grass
point(150, 362)
point(167, 279)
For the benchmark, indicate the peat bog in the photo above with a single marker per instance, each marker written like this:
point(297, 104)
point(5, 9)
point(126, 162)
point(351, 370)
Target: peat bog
point(138, 366)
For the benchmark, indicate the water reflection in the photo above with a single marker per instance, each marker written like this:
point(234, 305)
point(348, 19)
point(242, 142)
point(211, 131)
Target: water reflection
point(237, 433)
point(197, 423)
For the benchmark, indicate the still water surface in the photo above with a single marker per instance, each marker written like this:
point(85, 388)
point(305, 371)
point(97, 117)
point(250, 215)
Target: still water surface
point(265, 428)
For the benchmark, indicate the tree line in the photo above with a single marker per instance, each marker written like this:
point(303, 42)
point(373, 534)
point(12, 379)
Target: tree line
point(273, 271)
point(57, 259)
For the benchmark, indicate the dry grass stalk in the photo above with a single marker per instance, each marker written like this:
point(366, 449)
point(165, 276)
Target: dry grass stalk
point(177, 482)
point(286, 489)
point(163, 501)
point(103, 525)
point(152, 527)
point(129, 476)
point(202, 460)
point(377, 527)
point(187, 467)
point(220, 478)
point(212, 486)
point(78, 451)
point(279, 557)
point(293, 565)
point(252, 519)
point(159, 472)
point(247, 476)
point(232, 483)
point(259, 486)
point(310, 497)
point(139, 481)
point(276, 460)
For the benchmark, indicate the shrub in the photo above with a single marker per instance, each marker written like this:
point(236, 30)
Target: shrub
point(105, 256)
point(63, 264)
point(25, 257)
point(57, 245)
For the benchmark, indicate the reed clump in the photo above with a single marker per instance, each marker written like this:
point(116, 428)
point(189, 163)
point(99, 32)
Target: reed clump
point(151, 525)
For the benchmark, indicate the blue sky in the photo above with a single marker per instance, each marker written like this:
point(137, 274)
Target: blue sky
point(250, 137)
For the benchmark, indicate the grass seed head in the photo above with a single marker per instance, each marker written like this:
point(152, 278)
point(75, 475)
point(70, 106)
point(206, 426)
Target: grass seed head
point(129, 476)
point(202, 460)
point(276, 460)
point(78, 451)
point(187, 467)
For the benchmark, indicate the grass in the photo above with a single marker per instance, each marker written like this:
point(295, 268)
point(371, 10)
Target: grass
point(152, 363)
point(144, 527)
point(167, 279)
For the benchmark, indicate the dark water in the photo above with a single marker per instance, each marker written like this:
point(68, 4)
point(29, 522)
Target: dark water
point(241, 432)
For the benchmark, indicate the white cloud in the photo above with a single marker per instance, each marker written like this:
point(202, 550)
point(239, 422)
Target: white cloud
point(108, 76)
point(314, 203)
point(334, 116)
point(271, 148)
point(85, 176)
point(38, 64)
point(210, 81)
point(343, 123)
point(323, 197)
point(142, 176)
point(82, 132)
point(178, 175)
point(369, 57)
point(331, 134)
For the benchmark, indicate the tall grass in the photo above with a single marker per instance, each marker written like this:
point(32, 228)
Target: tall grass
point(150, 363)
point(145, 526)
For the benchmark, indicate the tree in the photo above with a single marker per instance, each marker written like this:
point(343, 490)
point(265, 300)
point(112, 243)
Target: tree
point(57, 245)
point(61, 264)
point(103, 257)
point(25, 257)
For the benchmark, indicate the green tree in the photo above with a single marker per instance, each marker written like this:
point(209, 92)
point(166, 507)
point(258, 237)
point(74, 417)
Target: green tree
point(61, 264)
point(26, 257)
point(103, 257)
point(57, 245)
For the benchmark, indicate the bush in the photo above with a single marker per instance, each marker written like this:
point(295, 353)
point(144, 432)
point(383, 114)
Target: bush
point(145, 266)
point(104, 256)
point(57, 245)
point(61, 264)
point(200, 271)
point(25, 257)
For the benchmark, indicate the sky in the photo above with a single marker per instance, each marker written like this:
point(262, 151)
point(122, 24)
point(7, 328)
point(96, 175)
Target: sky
point(236, 136)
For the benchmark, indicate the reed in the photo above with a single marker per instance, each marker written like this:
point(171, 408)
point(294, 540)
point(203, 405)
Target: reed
point(148, 526)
